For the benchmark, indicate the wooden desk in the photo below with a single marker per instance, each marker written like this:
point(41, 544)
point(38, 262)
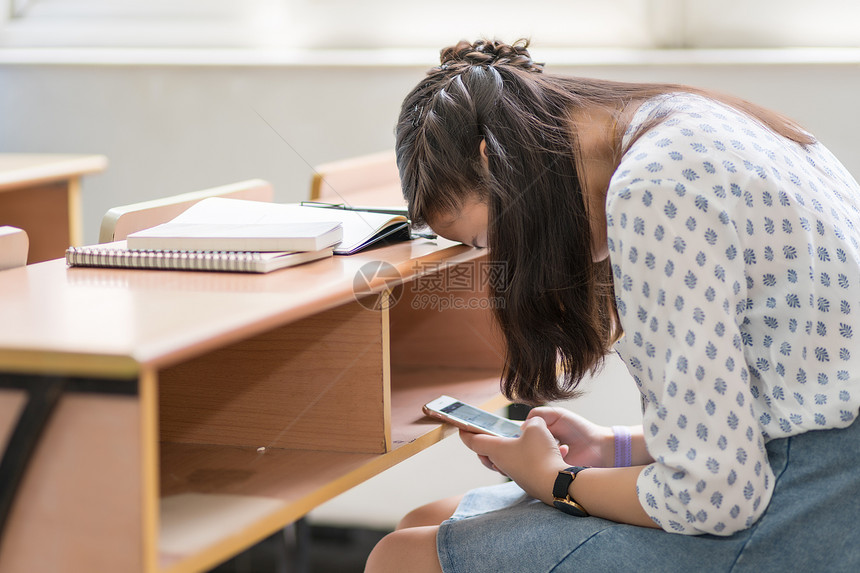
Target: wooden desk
point(173, 381)
point(40, 193)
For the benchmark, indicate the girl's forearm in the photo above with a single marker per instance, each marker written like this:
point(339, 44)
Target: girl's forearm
point(610, 493)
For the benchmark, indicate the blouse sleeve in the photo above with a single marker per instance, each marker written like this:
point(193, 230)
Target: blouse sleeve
point(681, 292)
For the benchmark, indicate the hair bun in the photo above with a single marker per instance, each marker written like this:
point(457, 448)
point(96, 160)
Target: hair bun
point(489, 53)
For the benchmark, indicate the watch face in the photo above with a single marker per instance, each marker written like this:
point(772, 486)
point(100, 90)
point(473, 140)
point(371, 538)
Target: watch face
point(570, 507)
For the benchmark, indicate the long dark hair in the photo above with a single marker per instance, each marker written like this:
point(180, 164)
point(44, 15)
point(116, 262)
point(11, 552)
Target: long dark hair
point(557, 307)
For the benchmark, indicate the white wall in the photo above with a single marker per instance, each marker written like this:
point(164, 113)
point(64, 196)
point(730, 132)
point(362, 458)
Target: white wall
point(170, 129)
point(173, 128)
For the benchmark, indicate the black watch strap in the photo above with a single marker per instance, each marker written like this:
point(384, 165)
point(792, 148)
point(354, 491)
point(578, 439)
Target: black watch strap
point(561, 495)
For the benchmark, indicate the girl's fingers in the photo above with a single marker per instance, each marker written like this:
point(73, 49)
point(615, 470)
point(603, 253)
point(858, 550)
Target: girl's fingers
point(490, 465)
point(481, 444)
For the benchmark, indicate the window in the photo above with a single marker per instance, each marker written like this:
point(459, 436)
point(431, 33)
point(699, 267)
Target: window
point(374, 24)
point(143, 23)
point(772, 23)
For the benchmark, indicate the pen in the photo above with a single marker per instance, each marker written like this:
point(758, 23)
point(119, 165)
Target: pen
point(384, 210)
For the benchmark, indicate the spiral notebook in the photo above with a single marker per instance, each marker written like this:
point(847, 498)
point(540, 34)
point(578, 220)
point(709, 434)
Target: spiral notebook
point(115, 255)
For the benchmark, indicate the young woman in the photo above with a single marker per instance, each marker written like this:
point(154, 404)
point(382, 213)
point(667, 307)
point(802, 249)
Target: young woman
point(715, 246)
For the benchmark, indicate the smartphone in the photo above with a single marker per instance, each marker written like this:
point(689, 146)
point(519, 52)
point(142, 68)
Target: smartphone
point(470, 418)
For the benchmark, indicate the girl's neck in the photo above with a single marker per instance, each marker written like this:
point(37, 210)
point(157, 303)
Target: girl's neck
point(597, 139)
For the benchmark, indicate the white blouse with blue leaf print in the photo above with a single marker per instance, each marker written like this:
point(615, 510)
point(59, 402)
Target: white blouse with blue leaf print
point(736, 260)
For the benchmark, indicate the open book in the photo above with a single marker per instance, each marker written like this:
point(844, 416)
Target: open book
point(221, 224)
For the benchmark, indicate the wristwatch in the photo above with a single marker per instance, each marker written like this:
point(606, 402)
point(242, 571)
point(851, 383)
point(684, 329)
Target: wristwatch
point(561, 495)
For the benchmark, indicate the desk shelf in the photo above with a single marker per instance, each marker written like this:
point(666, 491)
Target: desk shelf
point(252, 494)
point(246, 451)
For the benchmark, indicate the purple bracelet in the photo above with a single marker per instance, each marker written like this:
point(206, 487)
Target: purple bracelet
point(623, 449)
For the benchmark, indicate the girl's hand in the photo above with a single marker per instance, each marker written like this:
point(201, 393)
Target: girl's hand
point(533, 460)
point(587, 444)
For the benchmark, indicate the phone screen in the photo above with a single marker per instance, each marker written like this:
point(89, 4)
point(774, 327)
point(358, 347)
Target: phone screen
point(482, 419)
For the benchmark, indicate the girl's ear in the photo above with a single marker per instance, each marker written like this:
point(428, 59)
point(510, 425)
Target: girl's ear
point(484, 157)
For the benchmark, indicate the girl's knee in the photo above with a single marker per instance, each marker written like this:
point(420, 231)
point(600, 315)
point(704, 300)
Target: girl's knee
point(416, 546)
point(432, 513)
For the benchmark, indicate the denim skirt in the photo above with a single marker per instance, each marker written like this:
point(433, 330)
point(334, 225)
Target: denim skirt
point(811, 525)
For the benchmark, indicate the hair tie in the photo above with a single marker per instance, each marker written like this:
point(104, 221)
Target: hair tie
point(623, 447)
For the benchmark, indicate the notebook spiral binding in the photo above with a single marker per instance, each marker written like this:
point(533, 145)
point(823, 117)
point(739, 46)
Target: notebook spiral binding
point(168, 260)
